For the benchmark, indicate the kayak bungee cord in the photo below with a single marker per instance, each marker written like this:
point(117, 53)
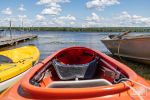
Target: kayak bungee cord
point(22, 60)
point(126, 79)
point(134, 90)
point(118, 74)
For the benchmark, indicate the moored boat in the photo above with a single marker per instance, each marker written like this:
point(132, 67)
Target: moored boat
point(15, 63)
point(133, 47)
point(79, 73)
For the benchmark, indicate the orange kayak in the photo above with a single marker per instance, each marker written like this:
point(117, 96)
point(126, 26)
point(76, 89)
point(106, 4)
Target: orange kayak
point(79, 73)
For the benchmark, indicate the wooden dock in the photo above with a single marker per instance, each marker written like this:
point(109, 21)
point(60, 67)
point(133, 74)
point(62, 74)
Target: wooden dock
point(4, 41)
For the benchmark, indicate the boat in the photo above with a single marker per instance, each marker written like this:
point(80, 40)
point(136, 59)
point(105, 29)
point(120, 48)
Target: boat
point(133, 47)
point(79, 73)
point(15, 63)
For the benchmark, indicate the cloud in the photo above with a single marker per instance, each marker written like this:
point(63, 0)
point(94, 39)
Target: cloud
point(58, 22)
point(126, 19)
point(5, 21)
point(53, 4)
point(6, 11)
point(101, 4)
point(41, 2)
point(94, 17)
point(67, 20)
point(40, 17)
point(21, 8)
point(68, 17)
point(51, 11)
point(52, 7)
point(16, 21)
point(96, 24)
point(22, 17)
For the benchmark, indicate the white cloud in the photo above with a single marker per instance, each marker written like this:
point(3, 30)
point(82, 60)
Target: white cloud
point(72, 23)
point(51, 11)
point(89, 24)
point(40, 17)
point(41, 2)
point(96, 24)
point(121, 20)
point(67, 20)
point(22, 17)
point(93, 17)
point(68, 17)
point(133, 20)
point(6, 21)
point(21, 8)
point(58, 22)
point(53, 4)
point(16, 21)
point(52, 7)
point(6, 11)
point(101, 4)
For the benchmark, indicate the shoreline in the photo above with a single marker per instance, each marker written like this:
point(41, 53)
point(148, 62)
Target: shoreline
point(79, 29)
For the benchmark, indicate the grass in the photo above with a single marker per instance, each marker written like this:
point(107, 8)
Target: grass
point(141, 69)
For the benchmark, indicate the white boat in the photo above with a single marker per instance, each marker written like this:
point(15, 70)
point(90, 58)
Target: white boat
point(133, 47)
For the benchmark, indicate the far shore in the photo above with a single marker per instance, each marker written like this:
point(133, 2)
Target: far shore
point(78, 29)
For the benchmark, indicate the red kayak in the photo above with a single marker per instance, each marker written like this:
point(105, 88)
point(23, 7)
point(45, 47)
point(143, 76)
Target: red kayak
point(79, 73)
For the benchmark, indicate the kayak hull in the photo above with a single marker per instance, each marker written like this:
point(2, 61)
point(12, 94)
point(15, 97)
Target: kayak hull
point(4, 85)
point(24, 90)
point(23, 59)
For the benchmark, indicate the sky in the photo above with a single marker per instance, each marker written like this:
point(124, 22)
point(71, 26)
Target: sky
point(75, 13)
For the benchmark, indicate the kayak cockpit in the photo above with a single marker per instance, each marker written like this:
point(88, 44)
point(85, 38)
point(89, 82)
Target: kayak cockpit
point(77, 68)
point(76, 72)
point(5, 59)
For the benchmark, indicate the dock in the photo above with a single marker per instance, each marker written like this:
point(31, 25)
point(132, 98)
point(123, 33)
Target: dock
point(4, 41)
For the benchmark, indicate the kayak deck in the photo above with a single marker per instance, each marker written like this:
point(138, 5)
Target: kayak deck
point(21, 59)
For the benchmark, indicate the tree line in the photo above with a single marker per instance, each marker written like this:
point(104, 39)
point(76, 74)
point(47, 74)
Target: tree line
point(89, 29)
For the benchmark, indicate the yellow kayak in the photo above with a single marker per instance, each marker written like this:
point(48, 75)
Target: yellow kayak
point(15, 63)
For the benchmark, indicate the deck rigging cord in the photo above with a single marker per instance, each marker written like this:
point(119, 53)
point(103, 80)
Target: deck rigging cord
point(126, 79)
point(134, 90)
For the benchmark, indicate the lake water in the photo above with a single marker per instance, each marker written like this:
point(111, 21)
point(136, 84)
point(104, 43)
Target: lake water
point(49, 42)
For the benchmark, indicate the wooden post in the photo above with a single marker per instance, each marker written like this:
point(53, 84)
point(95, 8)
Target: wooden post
point(22, 26)
point(10, 29)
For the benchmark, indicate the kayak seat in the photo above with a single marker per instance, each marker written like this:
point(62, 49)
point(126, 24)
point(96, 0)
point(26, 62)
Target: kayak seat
point(4, 59)
point(83, 71)
point(79, 84)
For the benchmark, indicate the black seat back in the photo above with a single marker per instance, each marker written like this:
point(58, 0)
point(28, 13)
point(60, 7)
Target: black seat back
point(83, 71)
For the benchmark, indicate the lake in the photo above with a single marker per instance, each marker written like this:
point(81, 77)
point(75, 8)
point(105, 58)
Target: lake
point(49, 42)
